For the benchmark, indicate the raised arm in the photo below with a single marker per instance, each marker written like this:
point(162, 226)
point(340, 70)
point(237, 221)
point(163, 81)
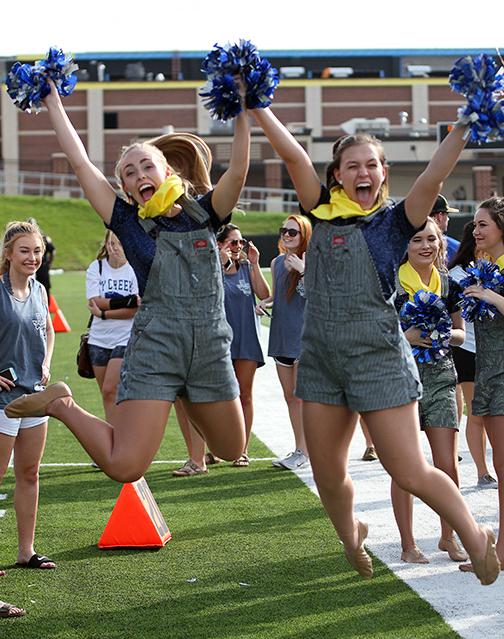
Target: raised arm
point(429, 184)
point(96, 188)
point(229, 187)
point(298, 164)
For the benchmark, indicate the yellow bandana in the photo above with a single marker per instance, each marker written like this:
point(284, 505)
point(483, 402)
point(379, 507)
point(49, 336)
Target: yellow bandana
point(342, 206)
point(500, 262)
point(411, 282)
point(163, 199)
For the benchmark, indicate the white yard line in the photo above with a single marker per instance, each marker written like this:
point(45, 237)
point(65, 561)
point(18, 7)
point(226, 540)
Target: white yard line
point(474, 611)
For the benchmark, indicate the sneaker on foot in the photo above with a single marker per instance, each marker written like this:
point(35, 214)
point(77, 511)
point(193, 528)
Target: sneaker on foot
point(370, 454)
point(487, 481)
point(293, 460)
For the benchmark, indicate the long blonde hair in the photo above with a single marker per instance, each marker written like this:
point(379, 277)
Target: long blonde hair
point(13, 231)
point(185, 154)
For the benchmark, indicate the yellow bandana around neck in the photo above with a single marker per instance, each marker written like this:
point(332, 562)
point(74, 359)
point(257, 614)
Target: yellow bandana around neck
point(163, 199)
point(411, 282)
point(500, 262)
point(340, 205)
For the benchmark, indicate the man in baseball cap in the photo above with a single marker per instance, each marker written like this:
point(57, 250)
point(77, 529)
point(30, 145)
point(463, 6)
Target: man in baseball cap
point(440, 214)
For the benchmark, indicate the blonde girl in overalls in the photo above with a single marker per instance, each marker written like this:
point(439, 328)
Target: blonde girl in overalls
point(180, 344)
point(354, 357)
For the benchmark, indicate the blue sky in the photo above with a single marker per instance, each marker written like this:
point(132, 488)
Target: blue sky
point(270, 24)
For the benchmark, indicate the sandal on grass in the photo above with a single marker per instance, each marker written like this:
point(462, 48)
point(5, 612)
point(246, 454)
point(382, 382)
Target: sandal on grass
point(189, 469)
point(242, 461)
point(37, 562)
point(211, 459)
point(8, 610)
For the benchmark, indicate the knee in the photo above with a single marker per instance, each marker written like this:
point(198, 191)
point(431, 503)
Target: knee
point(109, 393)
point(27, 474)
point(123, 475)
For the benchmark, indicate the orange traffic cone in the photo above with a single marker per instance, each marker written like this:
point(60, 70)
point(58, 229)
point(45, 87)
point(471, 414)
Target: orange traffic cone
point(59, 322)
point(53, 307)
point(136, 520)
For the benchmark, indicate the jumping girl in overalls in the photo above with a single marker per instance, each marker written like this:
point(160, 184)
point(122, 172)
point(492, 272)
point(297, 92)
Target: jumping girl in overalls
point(180, 343)
point(354, 357)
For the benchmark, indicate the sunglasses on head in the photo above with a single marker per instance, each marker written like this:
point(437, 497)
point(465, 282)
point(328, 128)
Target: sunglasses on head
point(241, 242)
point(290, 232)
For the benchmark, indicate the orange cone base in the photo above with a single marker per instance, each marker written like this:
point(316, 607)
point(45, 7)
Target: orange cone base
point(136, 521)
point(59, 322)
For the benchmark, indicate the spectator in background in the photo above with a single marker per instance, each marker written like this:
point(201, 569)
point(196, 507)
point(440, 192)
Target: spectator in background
point(440, 214)
point(42, 275)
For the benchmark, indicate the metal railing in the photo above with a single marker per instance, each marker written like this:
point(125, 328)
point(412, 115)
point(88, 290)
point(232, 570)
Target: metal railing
point(252, 198)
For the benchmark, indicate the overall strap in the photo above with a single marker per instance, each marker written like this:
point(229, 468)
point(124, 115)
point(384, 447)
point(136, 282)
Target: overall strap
point(193, 209)
point(445, 285)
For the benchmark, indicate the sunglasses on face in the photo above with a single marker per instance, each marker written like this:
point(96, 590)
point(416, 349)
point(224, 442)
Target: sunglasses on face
point(289, 232)
point(235, 243)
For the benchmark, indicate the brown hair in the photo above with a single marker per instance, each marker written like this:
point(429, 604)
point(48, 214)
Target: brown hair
point(440, 261)
point(347, 141)
point(13, 231)
point(305, 229)
point(495, 208)
point(102, 251)
point(185, 154)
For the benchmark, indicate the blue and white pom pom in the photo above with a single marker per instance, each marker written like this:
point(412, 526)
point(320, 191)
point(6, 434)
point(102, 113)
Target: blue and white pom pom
point(482, 273)
point(27, 84)
point(481, 82)
point(221, 94)
point(428, 313)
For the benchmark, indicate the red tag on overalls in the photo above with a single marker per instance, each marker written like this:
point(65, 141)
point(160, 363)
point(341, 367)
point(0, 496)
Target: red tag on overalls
point(200, 244)
point(338, 240)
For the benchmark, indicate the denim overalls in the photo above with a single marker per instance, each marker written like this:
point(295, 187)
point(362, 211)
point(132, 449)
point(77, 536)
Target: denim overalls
point(353, 351)
point(180, 342)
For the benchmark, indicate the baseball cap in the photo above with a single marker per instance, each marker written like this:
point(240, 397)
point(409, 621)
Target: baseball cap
point(441, 206)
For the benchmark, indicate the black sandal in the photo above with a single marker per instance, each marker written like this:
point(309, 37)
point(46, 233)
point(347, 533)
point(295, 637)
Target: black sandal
point(37, 561)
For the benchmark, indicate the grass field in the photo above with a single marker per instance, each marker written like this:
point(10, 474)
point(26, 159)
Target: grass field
point(252, 554)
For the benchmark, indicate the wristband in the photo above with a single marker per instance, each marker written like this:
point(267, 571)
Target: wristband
point(103, 316)
point(127, 301)
point(228, 264)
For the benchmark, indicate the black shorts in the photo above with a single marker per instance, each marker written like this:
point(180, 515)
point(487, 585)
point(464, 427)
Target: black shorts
point(465, 362)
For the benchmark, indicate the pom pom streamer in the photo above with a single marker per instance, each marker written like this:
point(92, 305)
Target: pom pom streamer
point(480, 273)
point(428, 313)
point(27, 84)
point(481, 82)
point(221, 94)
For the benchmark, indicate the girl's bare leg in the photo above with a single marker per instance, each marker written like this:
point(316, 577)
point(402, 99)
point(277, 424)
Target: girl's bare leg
point(124, 451)
point(194, 442)
point(329, 430)
point(221, 425)
point(245, 370)
point(402, 504)
point(28, 451)
point(475, 432)
point(396, 435)
point(494, 426)
point(287, 376)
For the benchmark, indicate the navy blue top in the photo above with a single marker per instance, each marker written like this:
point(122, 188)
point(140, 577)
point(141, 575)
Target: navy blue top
point(387, 234)
point(239, 302)
point(140, 246)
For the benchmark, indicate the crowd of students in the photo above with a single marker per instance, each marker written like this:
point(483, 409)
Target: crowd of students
point(344, 269)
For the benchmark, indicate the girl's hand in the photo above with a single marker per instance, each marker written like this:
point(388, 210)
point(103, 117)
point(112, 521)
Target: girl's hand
point(6, 384)
point(93, 308)
point(53, 98)
point(294, 263)
point(46, 375)
point(225, 254)
point(414, 337)
point(262, 307)
point(253, 254)
point(481, 293)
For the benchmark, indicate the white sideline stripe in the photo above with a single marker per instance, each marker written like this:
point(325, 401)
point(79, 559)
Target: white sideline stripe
point(157, 461)
point(471, 610)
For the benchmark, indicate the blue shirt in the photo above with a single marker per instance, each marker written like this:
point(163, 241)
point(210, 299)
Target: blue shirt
point(140, 246)
point(386, 234)
point(451, 248)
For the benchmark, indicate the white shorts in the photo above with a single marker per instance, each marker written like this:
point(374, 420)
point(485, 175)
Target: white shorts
point(12, 425)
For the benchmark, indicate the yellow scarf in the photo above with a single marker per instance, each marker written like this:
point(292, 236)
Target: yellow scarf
point(500, 262)
point(411, 282)
point(163, 199)
point(340, 205)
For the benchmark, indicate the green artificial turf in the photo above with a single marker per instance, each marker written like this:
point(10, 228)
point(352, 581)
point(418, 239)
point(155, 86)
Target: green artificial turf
point(252, 555)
